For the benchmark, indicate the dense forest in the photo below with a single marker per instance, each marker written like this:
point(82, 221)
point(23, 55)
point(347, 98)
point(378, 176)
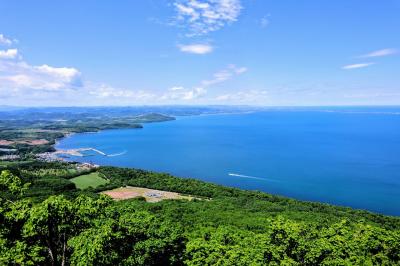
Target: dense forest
point(46, 220)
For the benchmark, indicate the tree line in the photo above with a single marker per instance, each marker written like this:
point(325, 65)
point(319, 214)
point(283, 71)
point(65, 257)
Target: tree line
point(225, 226)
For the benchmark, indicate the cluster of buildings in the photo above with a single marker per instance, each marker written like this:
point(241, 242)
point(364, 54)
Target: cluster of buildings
point(86, 166)
point(9, 157)
point(48, 157)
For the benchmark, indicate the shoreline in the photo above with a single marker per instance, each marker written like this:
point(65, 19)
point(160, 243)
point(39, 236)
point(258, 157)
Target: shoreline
point(113, 145)
point(76, 151)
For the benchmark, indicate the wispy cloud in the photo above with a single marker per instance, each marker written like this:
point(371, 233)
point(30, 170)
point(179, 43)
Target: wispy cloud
point(177, 93)
point(196, 48)
point(372, 95)
point(245, 96)
point(264, 21)
point(4, 40)
point(176, 88)
point(8, 54)
point(354, 66)
point(194, 93)
point(105, 91)
point(204, 16)
point(181, 93)
point(225, 74)
point(379, 53)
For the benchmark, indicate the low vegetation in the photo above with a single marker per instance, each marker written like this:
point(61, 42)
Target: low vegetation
point(93, 180)
point(63, 225)
point(55, 213)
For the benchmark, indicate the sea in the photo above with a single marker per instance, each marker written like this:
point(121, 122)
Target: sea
point(341, 156)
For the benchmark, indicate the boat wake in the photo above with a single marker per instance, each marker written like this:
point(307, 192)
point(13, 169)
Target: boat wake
point(252, 177)
point(116, 154)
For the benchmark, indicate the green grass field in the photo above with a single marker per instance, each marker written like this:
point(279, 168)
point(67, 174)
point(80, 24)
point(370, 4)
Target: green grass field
point(90, 180)
point(6, 163)
point(12, 163)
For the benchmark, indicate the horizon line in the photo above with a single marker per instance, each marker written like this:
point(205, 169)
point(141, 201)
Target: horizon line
point(198, 105)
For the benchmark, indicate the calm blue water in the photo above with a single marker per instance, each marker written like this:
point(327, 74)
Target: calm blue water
point(343, 158)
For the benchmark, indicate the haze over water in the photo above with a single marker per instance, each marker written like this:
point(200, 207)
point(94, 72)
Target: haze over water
point(344, 157)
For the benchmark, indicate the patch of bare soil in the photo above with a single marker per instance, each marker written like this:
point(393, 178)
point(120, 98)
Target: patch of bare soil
point(151, 195)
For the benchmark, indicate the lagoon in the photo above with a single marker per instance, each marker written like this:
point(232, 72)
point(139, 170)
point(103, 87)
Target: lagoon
point(343, 157)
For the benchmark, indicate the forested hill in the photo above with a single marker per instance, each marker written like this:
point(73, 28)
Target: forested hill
point(50, 222)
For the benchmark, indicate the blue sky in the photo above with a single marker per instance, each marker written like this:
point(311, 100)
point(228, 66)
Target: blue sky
point(256, 52)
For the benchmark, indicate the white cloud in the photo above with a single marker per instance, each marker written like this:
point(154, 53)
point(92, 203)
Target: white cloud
point(196, 48)
point(176, 88)
point(4, 40)
point(219, 77)
point(8, 54)
point(180, 93)
point(105, 91)
point(225, 74)
point(371, 95)
point(184, 94)
point(18, 74)
point(194, 94)
point(361, 65)
point(23, 83)
point(62, 72)
point(247, 96)
point(264, 21)
point(240, 70)
point(379, 53)
point(204, 16)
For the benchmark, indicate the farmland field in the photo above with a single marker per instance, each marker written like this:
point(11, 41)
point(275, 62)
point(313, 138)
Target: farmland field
point(90, 180)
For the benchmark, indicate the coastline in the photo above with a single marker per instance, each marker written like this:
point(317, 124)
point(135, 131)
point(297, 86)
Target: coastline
point(143, 143)
point(77, 151)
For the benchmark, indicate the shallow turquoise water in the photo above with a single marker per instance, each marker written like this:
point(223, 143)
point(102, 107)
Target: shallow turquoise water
point(343, 158)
